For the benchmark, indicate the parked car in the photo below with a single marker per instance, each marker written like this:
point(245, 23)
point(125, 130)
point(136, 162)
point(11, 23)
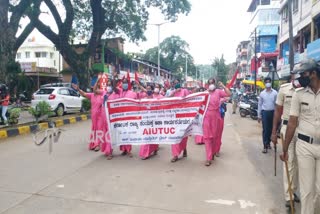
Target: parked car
point(61, 99)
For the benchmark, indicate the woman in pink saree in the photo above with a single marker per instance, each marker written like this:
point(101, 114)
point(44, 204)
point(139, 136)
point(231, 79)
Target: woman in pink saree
point(126, 93)
point(106, 146)
point(211, 121)
point(176, 149)
point(98, 117)
point(147, 150)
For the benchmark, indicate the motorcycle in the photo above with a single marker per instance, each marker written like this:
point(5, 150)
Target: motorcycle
point(249, 108)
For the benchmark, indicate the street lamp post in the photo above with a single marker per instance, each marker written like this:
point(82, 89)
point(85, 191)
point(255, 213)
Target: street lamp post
point(158, 25)
point(186, 68)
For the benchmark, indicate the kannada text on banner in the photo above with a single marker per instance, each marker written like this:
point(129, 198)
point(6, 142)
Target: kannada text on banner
point(155, 121)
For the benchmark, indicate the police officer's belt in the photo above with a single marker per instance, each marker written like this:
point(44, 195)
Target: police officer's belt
point(307, 139)
point(285, 122)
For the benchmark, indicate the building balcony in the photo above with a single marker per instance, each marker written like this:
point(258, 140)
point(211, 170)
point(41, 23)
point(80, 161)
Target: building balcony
point(244, 52)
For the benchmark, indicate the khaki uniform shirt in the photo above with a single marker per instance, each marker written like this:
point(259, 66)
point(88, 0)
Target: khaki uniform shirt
point(306, 106)
point(284, 99)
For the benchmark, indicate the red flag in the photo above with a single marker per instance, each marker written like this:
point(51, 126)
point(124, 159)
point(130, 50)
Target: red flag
point(230, 84)
point(136, 78)
point(129, 82)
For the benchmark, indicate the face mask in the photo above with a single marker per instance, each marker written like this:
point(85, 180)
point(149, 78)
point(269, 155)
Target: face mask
point(304, 81)
point(156, 90)
point(268, 85)
point(125, 86)
point(109, 89)
point(212, 87)
point(177, 86)
point(149, 93)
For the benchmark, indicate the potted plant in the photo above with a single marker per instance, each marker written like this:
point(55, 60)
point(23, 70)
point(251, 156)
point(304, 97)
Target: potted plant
point(42, 111)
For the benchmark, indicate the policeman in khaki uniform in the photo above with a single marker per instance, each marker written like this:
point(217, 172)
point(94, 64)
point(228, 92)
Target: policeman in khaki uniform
point(305, 122)
point(283, 104)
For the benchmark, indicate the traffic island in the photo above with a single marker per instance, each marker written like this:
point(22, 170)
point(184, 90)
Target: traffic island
point(32, 127)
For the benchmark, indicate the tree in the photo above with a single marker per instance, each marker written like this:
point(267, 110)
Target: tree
point(95, 18)
point(221, 69)
point(173, 55)
point(11, 13)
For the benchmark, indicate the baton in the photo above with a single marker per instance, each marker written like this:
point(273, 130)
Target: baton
point(275, 160)
point(289, 182)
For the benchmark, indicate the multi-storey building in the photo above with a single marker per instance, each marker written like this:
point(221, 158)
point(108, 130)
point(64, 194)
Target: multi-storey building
point(264, 25)
point(306, 33)
point(39, 59)
point(242, 59)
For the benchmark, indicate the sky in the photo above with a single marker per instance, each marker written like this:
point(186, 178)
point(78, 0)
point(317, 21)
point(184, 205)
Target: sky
point(212, 28)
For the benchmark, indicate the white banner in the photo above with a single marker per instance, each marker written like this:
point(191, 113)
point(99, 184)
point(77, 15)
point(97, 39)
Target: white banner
point(155, 121)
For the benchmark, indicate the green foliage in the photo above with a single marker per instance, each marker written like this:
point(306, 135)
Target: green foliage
point(221, 69)
point(14, 115)
point(42, 109)
point(123, 17)
point(173, 56)
point(86, 105)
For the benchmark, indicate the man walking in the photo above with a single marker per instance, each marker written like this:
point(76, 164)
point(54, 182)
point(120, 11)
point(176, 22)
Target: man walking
point(235, 98)
point(304, 120)
point(283, 104)
point(266, 106)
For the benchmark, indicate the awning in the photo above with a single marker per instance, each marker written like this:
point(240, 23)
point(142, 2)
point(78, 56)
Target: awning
point(269, 55)
point(251, 82)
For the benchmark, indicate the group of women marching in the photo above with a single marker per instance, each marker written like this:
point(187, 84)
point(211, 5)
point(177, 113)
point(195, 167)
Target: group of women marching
point(212, 124)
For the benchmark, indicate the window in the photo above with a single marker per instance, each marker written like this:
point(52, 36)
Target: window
point(43, 54)
point(265, 2)
point(18, 55)
point(51, 55)
point(285, 14)
point(73, 93)
point(64, 91)
point(27, 54)
point(45, 91)
point(295, 5)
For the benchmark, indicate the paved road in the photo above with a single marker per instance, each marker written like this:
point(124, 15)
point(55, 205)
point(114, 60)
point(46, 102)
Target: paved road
point(74, 180)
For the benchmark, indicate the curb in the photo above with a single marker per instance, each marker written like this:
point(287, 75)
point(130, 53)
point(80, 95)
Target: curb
point(23, 129)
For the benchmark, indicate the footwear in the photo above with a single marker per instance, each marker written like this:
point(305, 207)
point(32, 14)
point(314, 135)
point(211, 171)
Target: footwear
point(130, 155)
point(144, 158)
point(208, 163)
point(233, 113)
point(268, 146)
point(97, 149)
point(185, 154)
point(124, 153)
point(109, 157)
point(218, 154)
point(155, 152)
point(296, 198)
point(265, 151)
point(174, 159)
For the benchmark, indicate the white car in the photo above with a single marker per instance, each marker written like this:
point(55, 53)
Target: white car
point(61, 99)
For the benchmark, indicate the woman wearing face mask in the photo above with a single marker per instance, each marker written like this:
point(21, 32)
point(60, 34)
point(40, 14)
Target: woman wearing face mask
point(106, 147)
point(97, 115)
point(211, 120)
point(126, 93)
point(147, 150)
point(176, 149)
point(156, 92)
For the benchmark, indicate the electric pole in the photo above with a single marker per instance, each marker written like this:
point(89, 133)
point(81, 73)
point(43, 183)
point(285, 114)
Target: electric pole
point(255, 61)
point(291, 52)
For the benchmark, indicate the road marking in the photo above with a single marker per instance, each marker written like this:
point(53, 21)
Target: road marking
point(220, 201)
point(244, 204)
point(60, 186)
